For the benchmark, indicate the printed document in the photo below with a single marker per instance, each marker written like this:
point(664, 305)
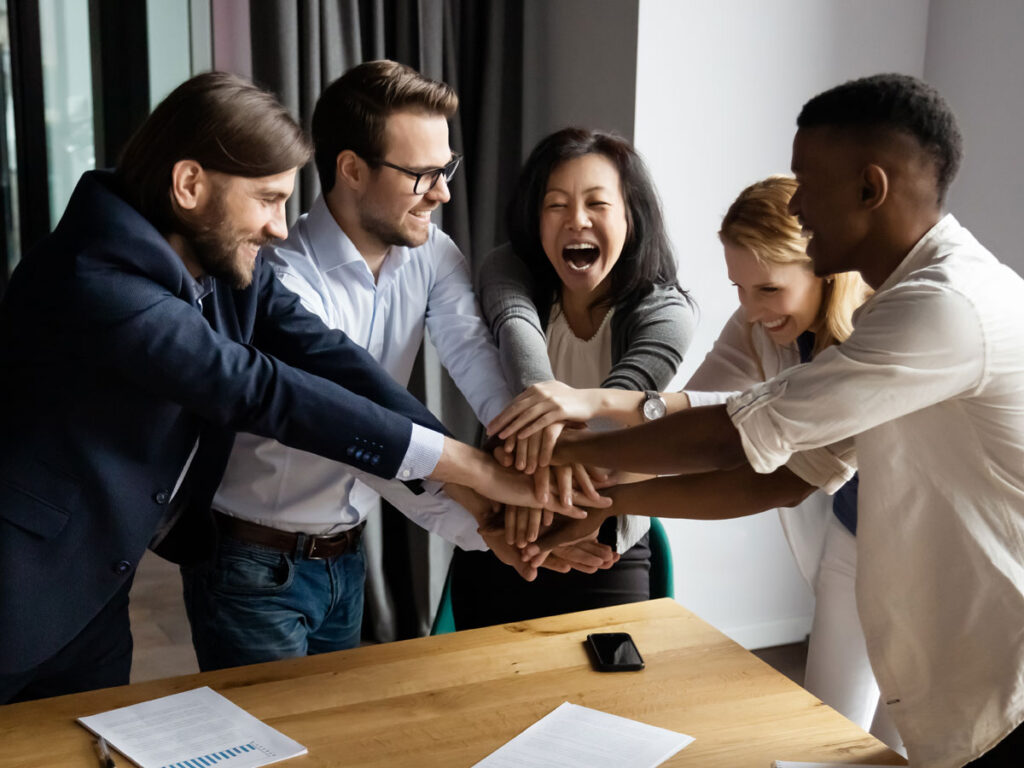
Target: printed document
point(578, 737)
point(194, 728)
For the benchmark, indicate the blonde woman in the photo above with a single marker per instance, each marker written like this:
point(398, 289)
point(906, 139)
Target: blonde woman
point(787, 316)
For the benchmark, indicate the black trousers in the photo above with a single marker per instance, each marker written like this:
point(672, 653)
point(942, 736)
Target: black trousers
point(485, 591)
point(1008, 753)
point(98, 657)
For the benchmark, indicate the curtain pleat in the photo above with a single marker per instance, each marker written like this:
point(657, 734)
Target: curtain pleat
point(301, 46)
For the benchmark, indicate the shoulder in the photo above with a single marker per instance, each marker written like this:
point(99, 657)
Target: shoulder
point(502, 261)
point(439, 249)
point(663, 303)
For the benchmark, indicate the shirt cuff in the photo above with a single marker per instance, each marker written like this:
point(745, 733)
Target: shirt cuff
point(821, 468)
point(425, 448)
point(698, 399)
point(762, 442)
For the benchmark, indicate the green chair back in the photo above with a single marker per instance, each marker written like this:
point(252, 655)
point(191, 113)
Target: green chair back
point(662, 577)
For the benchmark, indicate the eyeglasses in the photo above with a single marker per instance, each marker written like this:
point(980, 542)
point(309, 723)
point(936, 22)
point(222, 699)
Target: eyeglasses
point(425, 180)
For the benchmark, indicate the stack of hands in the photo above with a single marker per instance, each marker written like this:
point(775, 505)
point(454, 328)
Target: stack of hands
point(540, 510)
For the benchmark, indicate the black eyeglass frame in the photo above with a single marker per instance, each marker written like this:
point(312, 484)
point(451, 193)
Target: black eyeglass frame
point(448, 171)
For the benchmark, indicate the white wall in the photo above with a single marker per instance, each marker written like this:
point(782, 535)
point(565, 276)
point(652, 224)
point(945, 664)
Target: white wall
point(976, 60)
point(719, 86)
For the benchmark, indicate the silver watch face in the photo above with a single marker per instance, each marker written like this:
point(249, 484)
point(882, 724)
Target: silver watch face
point(654, 408)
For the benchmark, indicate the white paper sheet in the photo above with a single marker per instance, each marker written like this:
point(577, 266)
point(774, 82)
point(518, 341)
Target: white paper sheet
point(578, 737)
point(194, 729)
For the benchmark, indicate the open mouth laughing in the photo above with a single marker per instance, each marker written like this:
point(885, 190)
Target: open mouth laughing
point(580, 256)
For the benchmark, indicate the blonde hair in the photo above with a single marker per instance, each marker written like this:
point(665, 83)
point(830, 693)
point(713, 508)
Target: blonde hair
point(759, 220)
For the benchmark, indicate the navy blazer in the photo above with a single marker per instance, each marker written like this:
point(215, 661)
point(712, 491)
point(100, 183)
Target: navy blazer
point(110, 370)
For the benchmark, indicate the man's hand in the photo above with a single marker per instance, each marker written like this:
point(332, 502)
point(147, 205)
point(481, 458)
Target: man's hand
point(508, 554)
point(473, 468)
point(587, 556)
point(565, 531)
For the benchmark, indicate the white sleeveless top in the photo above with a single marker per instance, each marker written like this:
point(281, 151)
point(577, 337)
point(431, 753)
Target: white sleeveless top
point(584, 364)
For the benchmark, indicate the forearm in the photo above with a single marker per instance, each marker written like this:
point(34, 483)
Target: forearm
point(623, 406)
point(692, 440)
point(711, 495)
point(462, 464)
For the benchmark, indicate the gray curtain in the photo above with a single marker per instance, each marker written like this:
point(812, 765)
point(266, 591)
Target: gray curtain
point(298, 47)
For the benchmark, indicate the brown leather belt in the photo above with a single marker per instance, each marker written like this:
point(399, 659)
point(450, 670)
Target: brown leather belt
point(313, 547)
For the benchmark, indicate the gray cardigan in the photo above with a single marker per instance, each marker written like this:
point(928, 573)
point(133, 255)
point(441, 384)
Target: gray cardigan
point(648, 340)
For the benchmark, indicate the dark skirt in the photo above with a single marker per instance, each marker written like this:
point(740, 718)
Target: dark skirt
point(485, 591)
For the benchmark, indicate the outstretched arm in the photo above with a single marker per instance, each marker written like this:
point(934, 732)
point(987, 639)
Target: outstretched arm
point(692, 440)
point(707, 496)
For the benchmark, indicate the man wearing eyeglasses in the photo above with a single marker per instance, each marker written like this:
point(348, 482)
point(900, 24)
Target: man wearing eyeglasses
point(367, 259)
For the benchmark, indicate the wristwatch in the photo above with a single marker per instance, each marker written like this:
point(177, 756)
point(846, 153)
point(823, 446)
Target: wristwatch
point(653, 407)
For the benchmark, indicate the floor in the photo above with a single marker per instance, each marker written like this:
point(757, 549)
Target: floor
point(163, 647)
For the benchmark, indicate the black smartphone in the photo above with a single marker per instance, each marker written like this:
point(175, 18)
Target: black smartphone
point(614, 652)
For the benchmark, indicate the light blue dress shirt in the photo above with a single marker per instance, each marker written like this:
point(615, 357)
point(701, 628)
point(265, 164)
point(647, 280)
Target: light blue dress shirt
point(424, 288)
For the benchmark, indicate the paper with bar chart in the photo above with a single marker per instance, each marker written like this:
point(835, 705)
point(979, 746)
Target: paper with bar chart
point(195, 729)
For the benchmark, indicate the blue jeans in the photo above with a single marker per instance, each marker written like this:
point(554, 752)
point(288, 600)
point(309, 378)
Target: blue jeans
point(255, 604)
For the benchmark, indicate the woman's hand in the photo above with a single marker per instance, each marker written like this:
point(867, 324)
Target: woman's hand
point(542, 405)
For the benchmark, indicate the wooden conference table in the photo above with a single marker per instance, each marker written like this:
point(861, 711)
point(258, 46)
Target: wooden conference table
point(451, 700)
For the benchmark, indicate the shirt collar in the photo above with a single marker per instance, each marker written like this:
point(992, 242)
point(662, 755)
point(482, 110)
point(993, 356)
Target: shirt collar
point(201, 288)
point(922, 251)
point(332, 246)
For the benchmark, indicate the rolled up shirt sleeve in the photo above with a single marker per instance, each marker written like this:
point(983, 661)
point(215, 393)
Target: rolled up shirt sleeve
point(914, 345)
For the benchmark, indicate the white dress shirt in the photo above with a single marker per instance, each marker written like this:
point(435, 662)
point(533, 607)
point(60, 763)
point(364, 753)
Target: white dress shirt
point(417, 288)
point(932, 384)
point(744, 355)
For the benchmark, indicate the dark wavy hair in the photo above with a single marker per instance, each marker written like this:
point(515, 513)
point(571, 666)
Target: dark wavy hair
point(224, 123)
point(898, 103)
point(646, 260)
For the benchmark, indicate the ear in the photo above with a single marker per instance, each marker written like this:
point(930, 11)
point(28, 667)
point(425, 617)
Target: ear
point(188, 183)
point(874, 188)
point(350, 169)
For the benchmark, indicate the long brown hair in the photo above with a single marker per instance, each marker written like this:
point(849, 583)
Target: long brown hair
point(221, 121)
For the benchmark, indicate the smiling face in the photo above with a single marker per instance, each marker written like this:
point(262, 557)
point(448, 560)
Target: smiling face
point(783, 298)
point(827, 166)
point(389, 212)
point(583, 223)
point(239, 216)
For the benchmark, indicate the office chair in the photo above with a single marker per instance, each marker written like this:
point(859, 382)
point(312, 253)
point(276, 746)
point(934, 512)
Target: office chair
point(662, 584)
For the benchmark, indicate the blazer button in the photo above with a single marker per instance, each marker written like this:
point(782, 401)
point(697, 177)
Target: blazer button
point(161, 497)
point(121, 567)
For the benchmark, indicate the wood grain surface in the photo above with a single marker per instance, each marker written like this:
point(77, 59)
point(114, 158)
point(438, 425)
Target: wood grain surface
point(451, 700)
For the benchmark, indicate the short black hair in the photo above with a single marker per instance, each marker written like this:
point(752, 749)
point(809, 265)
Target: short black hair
point(647, 259)
point(894, 102)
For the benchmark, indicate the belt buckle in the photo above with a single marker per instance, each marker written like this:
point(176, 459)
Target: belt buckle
point(311, 546)
point(313, 541)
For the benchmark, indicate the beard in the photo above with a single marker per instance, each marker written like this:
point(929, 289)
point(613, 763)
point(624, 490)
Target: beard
point(217, 246)
point(387, 232)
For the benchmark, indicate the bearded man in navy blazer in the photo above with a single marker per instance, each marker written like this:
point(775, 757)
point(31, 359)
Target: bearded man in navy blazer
point(135, 340)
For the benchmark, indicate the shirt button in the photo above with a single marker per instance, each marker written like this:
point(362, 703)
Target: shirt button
point(161, 497)
point(121, 567)
point(406, 473)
